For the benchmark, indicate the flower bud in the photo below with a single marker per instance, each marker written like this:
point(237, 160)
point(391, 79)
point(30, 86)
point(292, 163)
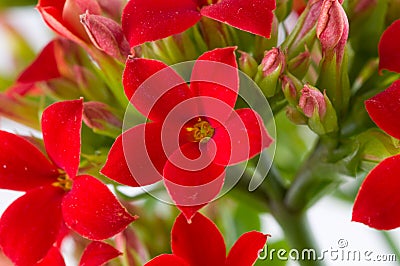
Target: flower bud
point(291, 88)
point(99, 117)
point(269, 71)
point(311, 101)
point(318, 108)
point(73, 9)
point(332, 29)
point(304, 32)
point(106, 35)
point(299, 65)
point(20, 109)
point(247, 64)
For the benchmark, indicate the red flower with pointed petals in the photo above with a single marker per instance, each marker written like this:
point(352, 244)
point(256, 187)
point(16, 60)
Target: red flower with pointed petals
point(209, 246)
point(377, 202)
point(389, 52)
point(150, 20)
point(194, 133)
point(98, 253)
point(53, 187)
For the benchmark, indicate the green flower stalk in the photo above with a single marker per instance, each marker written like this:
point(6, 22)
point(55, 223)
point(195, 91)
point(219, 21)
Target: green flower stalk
point(332, 32)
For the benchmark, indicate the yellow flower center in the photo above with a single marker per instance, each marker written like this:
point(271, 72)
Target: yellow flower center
point(201, 131)
point(63, 182)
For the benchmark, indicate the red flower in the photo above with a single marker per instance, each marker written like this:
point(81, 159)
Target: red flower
point(80, 21)
point(150, 20)
point(378, 200)
point(54, 192)
point(194, 131)
point(200, 243)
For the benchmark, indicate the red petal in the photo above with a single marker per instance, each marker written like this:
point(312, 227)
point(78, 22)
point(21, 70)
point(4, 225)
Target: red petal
point(167, 260)
point(242, 137)
point(61, 127)
point(137, 157)
point(26, 235)
point(51, 12)
point(150, 20)
point(217, 77)
point(378, 201)
point(199, 243)
point(384, 109)
point(192, 179)
point(63, 17)
point(161, 92)
point(98, 253)
point(253, 16)
point(246, 249)
point(389, 52)
point(93, 211)
point(22, 165)
point(43, 68)
point(53, 258)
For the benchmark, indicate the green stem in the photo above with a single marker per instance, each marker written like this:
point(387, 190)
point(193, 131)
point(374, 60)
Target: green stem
point(315, 177)
point(392, 243)
point(298, 234)
point(294, 224)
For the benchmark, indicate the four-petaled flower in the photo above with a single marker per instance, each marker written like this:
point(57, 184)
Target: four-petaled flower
point(378, 200)
point(194, 131)
point(200, 243)
point(55, 193)
point(150, 20)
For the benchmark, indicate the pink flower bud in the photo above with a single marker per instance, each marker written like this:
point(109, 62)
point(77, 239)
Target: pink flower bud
point(314, 9)
point(97, 115)
point(73, 9)
point(333, 29)
point(273, 60)
point(299, 65)
point(106, 35)
point(312, 100)
point(289, 88)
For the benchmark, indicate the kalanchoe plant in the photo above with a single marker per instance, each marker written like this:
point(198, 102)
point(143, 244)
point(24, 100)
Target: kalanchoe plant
point(326, 68)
